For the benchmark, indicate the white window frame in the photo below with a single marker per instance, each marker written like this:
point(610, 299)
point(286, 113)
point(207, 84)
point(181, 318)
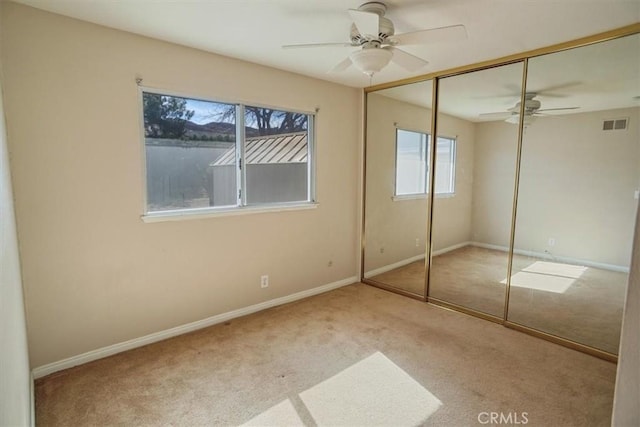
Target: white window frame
point(452, 172)
point(241, 207)
point(453, 160)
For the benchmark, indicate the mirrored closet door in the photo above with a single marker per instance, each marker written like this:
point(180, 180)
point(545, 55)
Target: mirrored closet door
point(525, 214)
point(474, 185)
point(397, 159)
point(578, 192)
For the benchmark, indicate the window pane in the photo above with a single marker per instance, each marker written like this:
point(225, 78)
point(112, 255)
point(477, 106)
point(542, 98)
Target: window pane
point(411, 162)
point(276, 156)
point(190, 153)
point(445, 165)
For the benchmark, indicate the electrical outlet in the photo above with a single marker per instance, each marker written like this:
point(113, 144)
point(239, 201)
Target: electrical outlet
point(381, 250)
point(417, 243)
point(552, 241)
point(264, 281)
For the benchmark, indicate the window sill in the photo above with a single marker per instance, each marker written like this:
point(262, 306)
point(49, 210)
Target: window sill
point(421, 196)
point(445, 195)
point(408, 197)
point(183, 215)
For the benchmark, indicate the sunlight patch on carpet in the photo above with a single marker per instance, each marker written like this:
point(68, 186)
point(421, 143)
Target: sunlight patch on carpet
point(556, 269)
point(282, 414)
point(547, 276)
point(374, 391)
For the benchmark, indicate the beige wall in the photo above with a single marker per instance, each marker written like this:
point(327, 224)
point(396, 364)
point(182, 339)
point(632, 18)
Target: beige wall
point(395, 225)
point(94, 273)
point(15, 396)
point(577, 186)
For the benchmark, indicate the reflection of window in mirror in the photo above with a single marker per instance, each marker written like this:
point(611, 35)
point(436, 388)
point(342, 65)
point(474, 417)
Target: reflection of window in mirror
point(412, 154)
point(411, 162)
point(445, 166)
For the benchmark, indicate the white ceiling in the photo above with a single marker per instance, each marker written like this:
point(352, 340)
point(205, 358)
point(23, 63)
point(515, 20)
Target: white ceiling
point(255, 30)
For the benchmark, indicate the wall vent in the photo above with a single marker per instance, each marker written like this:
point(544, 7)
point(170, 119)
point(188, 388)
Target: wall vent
point(615, 124)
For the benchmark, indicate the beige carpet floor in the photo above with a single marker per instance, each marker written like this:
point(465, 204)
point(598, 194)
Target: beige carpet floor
point(581, 304)
point(347, 357)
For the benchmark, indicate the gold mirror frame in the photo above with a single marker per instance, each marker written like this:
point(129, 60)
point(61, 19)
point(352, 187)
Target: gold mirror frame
point(435, 77)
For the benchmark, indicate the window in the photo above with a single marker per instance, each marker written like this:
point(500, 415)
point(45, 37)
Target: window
point(412, 163)
point(207, 155)
point(276, 153)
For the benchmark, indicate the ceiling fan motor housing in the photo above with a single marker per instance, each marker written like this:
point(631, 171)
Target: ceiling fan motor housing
point(385, 26)
point(530, 105)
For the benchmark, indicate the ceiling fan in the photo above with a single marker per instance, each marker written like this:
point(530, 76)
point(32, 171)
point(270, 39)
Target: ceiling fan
point(375, 36)
point(531, 110)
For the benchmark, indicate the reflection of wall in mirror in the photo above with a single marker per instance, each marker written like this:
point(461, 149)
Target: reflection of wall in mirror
point(452, 215)
point(577, 186)
point(395, 225)
point(494, 181)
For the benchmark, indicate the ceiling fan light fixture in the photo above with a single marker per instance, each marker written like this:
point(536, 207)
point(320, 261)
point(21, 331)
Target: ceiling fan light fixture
point(515, 119)
point(372, 60)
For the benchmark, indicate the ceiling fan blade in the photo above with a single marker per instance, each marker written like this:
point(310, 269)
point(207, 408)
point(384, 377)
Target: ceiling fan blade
point(341, 66)
point(497, 115)
point(406, 60)
point(312, 45)
point(367, 23)
point(556, 109)
point(547, 91)
point(513, 91)
point(552, 95)
point(433, 35)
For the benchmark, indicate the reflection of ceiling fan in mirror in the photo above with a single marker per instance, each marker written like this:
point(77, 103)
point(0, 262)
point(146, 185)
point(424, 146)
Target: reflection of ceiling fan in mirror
point(532, 109)
point(375, 36)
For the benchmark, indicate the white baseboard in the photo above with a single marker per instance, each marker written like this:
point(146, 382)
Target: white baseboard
point(554, 258)
point(32, 391)
point(490, 246)
point(451, 248)
point(408, 261)
point(393, 266)
point(541, 255)
point(100, 353)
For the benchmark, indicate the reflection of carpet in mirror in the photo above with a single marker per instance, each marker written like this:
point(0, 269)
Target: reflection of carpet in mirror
point(588, 311)
point(470, 276)
point(583, 304)
point(409, 277)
